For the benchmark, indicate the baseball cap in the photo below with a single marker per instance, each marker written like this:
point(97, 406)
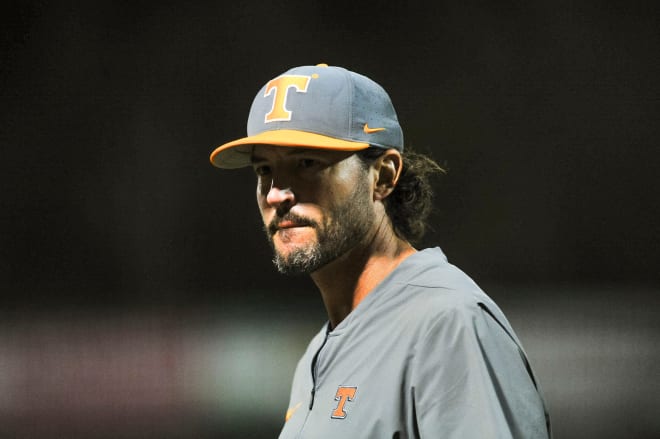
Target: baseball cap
point(318, 107)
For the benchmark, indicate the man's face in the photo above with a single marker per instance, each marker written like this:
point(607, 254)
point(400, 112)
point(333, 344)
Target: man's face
point(315, 204)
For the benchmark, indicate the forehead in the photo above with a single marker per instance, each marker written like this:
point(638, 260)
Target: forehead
point(272, 152)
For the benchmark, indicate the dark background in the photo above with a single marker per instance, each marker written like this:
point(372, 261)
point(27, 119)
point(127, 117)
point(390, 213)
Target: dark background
point(545, 114)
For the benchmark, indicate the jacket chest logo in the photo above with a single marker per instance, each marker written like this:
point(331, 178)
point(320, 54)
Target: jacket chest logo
point(344, 394)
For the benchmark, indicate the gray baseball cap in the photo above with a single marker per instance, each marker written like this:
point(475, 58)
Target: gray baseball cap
point(322, 107)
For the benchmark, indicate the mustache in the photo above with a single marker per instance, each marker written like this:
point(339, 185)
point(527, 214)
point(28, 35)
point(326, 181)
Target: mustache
point(273, 226)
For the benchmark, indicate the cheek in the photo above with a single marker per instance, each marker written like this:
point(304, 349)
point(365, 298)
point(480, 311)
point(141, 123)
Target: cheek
point(261, 189)
point(262, 205)
point(349, 182)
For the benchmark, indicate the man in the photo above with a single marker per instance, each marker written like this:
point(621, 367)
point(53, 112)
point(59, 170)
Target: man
point(413, 348)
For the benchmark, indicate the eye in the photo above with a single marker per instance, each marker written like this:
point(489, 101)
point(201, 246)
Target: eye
point(261, 170)
point(307, 163)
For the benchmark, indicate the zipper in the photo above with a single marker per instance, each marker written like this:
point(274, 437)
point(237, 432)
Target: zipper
point(315, 369)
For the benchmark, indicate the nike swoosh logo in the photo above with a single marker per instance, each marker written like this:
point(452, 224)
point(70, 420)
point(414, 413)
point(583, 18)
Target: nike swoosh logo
point(368, 130)
point(291, 411)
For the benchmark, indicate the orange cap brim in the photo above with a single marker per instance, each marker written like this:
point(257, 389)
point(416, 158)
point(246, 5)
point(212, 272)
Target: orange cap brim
point(237, 154)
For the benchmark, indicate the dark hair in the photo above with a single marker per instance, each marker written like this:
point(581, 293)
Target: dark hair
point(409, 205)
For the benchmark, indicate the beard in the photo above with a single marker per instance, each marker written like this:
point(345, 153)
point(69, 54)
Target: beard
point(339, 232)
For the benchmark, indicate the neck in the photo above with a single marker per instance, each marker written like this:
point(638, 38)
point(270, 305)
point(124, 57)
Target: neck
point(345, 282)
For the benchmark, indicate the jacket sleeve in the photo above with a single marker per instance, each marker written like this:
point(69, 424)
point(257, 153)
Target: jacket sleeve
point(470, 379)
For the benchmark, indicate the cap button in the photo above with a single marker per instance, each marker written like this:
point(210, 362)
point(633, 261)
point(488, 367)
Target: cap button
point(322, 65)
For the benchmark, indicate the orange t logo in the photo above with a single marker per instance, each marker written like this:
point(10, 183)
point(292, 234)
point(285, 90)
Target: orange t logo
point(280, 88)
point(343, 394)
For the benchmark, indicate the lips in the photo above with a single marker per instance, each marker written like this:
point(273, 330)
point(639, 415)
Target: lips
point(289, 221)
point(289, 225)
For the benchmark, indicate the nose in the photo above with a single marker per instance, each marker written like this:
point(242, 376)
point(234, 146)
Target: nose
point(277, 197)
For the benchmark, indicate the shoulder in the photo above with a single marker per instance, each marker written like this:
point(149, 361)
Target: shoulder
point(439, 296)
point(430, 286)
point(436, 310)
point(430, 268)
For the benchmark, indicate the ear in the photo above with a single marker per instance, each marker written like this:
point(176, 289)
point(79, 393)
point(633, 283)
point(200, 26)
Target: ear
point(388, 169)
